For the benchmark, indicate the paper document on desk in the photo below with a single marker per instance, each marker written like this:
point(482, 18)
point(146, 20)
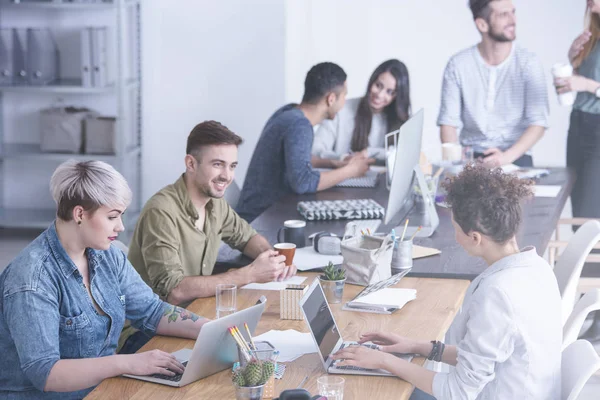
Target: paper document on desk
point(306, 258)
point(294, 280)
point(420, 251)
point(546, 190)
point(386, 298)
point(291, 344)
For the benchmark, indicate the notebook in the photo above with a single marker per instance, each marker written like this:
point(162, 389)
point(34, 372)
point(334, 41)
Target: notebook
point(325, 210)
point(385, 298)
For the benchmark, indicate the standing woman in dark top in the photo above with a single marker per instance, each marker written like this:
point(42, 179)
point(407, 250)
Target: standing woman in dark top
point(583, 143)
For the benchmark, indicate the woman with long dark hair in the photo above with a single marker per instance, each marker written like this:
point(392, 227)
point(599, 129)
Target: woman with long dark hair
point(360, 127)
point(583, 143)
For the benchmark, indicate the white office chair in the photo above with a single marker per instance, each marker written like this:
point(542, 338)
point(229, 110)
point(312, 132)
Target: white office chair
point(579, 362)
point(569, 264)
point(588, 303)
point(232, 194)
point(121, 246)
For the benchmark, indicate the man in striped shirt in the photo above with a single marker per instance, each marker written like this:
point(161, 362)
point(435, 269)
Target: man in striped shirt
point(495, 92)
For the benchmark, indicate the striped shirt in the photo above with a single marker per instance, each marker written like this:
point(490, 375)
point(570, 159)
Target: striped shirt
point(493, 105)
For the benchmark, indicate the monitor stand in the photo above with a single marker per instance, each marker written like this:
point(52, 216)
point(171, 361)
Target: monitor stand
point(420, 213)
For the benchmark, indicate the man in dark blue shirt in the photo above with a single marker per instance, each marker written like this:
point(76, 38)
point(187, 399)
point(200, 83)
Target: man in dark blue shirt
point(281, 163)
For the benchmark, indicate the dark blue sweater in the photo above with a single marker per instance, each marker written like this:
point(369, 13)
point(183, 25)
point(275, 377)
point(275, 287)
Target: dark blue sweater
point(280, 164)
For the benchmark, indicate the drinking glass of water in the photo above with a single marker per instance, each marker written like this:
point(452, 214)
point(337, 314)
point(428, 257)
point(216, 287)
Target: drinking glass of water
point(226, 299)
point(331, 387)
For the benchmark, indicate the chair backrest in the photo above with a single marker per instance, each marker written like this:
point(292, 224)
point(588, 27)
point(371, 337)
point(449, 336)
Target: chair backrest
point(588, 303)
point(569, 264)
point(232, 194)
point(121, 246)
point(579, 362)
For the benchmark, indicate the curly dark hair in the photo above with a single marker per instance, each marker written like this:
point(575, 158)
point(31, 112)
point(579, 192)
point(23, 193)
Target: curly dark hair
point(487, 201)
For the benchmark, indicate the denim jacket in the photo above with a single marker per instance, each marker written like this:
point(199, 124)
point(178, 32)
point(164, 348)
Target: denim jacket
point(47, 315)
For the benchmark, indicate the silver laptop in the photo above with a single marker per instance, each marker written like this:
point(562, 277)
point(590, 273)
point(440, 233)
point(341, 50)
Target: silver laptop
point(215, 349)
point(326, 334)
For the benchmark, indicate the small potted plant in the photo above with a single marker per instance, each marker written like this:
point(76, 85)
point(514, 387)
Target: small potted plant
point(332, 281)
point(250, 380)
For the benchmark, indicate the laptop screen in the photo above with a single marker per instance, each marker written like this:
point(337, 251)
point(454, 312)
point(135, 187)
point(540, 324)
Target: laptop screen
point(321, 321)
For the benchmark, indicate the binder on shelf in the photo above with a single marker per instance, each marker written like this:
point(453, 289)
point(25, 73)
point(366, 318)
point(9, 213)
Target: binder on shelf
point(99, 56)
point(20, 56)
point(42, 56)
point(86, 57)
point(6, 57)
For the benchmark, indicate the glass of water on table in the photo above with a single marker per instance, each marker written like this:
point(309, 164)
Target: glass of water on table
point(226, 299)
point(331, 387)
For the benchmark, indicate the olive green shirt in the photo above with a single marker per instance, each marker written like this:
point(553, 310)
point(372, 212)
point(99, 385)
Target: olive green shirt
point(167, 246)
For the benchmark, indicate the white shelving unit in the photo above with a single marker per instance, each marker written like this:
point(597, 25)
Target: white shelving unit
point(25, 170)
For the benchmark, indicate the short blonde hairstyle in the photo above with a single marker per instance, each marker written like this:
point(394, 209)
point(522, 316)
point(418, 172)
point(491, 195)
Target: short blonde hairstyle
point(89, 184)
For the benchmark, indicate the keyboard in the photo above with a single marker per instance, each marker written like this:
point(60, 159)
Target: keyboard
point(174, 378)
point(369, 180)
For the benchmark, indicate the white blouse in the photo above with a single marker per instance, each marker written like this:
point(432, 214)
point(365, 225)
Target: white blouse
point(333, 138)
point(508, 334)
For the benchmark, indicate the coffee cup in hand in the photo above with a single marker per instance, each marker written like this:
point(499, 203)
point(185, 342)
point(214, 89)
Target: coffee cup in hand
point(287, 250)
point(564, 70)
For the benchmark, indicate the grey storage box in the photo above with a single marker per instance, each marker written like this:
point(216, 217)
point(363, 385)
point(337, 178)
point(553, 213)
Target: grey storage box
point(100, 135)
point(62, 129)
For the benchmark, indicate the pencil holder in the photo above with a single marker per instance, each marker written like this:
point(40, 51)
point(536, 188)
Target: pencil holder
point(402, 256)
point(288, 302)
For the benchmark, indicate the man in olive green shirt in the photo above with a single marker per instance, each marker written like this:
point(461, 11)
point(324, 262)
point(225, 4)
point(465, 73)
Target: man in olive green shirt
point(179, 231)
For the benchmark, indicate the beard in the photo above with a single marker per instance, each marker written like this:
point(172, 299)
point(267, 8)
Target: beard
point(208, 191)
point(500, 36)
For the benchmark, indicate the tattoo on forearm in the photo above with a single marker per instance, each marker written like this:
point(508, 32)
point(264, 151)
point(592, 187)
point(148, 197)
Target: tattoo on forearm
point(175, 312)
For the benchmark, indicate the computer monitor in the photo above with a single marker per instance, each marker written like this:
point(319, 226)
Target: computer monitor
point(405, 167)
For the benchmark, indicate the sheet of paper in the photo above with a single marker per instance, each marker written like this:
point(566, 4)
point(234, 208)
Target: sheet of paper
point(546, 190)
point(306, 258)
point(294, 280)
point(420, 251)
point(510, 168)
point(291, 344)
point(392, 297)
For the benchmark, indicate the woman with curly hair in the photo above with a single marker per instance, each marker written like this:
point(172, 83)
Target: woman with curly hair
point(506, 341)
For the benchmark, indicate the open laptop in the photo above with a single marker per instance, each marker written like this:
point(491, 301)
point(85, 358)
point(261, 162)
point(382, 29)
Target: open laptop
point(215, 349)
point(326, 334)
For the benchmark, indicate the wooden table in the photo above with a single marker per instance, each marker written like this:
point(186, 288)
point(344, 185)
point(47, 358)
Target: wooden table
point(540, 216)
point(427, 317)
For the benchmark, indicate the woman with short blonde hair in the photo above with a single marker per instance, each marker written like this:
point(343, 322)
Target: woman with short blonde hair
point(66, 296)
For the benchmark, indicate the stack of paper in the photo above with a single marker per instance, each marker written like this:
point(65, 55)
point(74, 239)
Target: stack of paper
point(385, 299)
point(291, 344)
point(294, 280)
point(306, 258)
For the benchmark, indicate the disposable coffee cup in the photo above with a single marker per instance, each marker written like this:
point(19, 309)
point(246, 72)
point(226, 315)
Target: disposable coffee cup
point(564, 70)
point(452, 152)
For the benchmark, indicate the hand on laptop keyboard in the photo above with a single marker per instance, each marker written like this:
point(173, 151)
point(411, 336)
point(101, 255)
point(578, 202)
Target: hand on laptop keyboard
point(174, 378)
point(354, 367)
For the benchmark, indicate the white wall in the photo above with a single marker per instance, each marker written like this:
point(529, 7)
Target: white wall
point(360, 34)
point(202, 59)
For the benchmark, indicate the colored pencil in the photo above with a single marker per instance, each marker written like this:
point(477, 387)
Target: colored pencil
point(249, 335)
point(415, 234)
point(243, 339)
point(404, 231)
